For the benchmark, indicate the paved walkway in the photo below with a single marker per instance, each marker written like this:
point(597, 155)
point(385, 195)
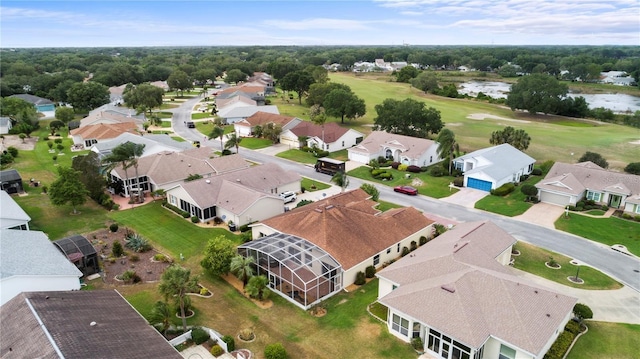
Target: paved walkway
point(466, 197)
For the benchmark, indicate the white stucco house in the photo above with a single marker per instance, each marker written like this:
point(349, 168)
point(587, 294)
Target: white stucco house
point(566, 184)
point(491, 167)
point(12, 216)
point(5, 125)
point(458, 296)
point(330, 137)
point(30, 262)
point(245, 128)
point(404, 149)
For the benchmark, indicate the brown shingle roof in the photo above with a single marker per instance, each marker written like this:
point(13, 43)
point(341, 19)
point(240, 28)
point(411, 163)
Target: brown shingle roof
point(119, 332)
point(262, 118)
point(103, 131)
point(332, 131)
point(454, 285)
point(350, 232)
point(411, 147)
point(575, 178)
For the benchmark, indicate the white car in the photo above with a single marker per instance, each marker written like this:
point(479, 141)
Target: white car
point(288, 196)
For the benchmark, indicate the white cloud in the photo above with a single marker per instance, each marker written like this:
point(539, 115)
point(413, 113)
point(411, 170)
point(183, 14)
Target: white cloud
point(317, 24)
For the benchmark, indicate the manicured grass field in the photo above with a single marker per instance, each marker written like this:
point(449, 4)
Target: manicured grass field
point(607, 341)
point(510, 205)
point(164, 115)
point(200, 115)
point(385, 206)
point(168, 230)
point(436, 187)
point(298, 156)
point(313, 185)
point(255, 143)
point(607, 231)
point(532, 259)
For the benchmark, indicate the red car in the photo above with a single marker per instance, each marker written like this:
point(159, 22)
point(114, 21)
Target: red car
point(406, 190)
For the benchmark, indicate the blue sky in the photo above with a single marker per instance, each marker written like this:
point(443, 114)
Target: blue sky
point(92, 23)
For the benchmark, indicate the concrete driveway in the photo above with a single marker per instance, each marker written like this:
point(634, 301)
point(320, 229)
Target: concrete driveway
point(466, 197)
point(542, 214)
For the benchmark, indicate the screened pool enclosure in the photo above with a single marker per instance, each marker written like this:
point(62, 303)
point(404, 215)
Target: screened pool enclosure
point(297, 269)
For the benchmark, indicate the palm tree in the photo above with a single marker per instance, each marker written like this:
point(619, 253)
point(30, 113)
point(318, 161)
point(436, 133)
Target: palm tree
point(177, 281)
point(119, 156)
point(242, 267)
point(257, 287)
point(216, 132)
point(161, 313)
point(340, 179)
point(135, 150)
point(233, 140)
point(447, 145)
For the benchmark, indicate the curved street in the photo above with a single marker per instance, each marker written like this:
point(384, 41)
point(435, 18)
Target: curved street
point(624, 268)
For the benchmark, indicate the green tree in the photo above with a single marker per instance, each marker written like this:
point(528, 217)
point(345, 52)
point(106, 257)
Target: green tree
point(275, 351)
point(161, 314)
point(179, 81)
point(233, 140)
point(22, 114)
point(272, 132)
point(64, 114)
point(242, 267)
point(299, 81)
point(68, 189)
point(371, 190)
point(88, 166)
point(218, 255)
point(85, 96)
point(595, 158)
point(341, 180)
point(125, 155)
point(519, 139)
point(633, 168)
point(144, 97)
point(216, 132)
point(340, 103)
point(235, 76)
point(408, 117)
point(447, 146)
point(406, 74)
point(537, 93)
point(426, 81)
point(257, 287)
point(176, 281)
point(318, 92)
point(55, 125)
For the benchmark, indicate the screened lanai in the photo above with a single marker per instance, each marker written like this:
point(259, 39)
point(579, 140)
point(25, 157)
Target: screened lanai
point(297, 269)
point(80, 252)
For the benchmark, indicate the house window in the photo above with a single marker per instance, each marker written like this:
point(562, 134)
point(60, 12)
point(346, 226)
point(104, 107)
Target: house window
point(398, 250)
point(506, 352)
point(388, 154)
point(443, 345)
point(172, 200)
point(430, 159)
point(479, 353)
point(594, 196)
point(376, 259)
point(637, 208)
point(530, 168)
point(400, 325)
point(342, 143)
point(389, 249)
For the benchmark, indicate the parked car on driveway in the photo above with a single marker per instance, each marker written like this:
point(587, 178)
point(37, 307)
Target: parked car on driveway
point(406, 190)
point(288, 196)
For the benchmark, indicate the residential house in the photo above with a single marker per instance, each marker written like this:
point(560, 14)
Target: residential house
point(153, 143)
point(111, 114)
point(12, 216)
point(245, 128)
point(116, 93)
point(167, 169)
point(10, 181)
point(567, 184)
point(491, 167)
point(458, 296)
point(314, 251)
point(5, 125)
point(87, 136)
point(404, 149)
point(263, 79)
point(41, 104)
point(160, 84)
point(241, 197)
point(78, 324)
point(30, 262)
point(328, 137)
point(619, 78)
point(234, 113)
point(235, 98)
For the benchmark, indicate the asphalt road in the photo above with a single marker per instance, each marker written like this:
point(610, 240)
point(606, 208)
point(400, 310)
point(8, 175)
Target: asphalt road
point(624, 268)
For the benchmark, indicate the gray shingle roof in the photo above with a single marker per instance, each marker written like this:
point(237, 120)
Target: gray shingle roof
point(411, 147)
point(30, 253)
point(11, 214)
point(119, 331)
point(504, 160)
point(575, 178)
point(246, 111)
point(36, 100)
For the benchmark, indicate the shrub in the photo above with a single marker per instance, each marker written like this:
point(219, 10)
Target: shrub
point(137, 243)
point(573, 327)
point(113, 227)
point(160, 257)
point(604, 207)
point(582, 311)
point(195, 219)
point(374, 164)
point(627, 216)
point(536, 172)
point(176, 209)
point(414, 246)
point(417, 344)
point(135, 258)
point(117, 250)
point(185, 214)
point(405, 251)
point(199, 335)
point(413, 169)
point(246, 334)
point(6, 158)
point(403, 167)
point(216, 350)
point(231, 343)
point(58, 140)
point(436, 171)
point(504, 190)
point(423, 240)
point(360, 278)
point(395, 165)
point(458, 181)
point(13, 151)
point(370, 272)
point(560, 346)
point(275, 351)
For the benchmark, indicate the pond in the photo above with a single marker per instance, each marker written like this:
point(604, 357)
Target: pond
point(618, 103)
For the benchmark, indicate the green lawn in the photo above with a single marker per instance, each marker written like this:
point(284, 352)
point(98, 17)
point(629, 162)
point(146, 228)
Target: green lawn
point(385, 206)
point(311, 185)
point(178, 138)
point(607, 341)
point(255, 143)
point(164, 115)
point(200, 115)
point(607, 231)
point(436, 187)
point(169, 231)
point(532, 259)
point(510, 205)
point(168, 105)
point(298, 156)
point(165, 124)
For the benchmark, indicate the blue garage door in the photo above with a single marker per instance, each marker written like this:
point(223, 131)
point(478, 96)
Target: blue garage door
point(479, 184)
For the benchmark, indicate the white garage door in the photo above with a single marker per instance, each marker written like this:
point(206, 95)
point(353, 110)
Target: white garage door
point(554, 198)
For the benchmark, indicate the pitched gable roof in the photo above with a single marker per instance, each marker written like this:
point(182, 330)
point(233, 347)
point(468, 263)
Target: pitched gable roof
point(575, 178)
point(36, 100)
point(503, 160)
point(347, 230)
point(11, 214)
point(261, 118)
point(454, 285)
point(78, 324)
point(332, 131)
point(411, 147)
point(103, 131)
